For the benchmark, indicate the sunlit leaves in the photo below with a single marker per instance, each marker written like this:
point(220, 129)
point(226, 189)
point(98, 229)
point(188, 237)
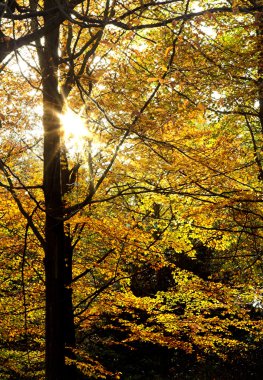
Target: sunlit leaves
point(169, 178)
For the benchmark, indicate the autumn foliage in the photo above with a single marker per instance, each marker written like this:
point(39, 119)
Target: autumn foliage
point(131, 189)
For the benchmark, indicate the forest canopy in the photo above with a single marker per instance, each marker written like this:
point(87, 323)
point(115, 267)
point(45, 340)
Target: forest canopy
point(131, 177)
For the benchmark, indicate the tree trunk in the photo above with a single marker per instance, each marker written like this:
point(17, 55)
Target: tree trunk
point(54, 229)
point(59, 316)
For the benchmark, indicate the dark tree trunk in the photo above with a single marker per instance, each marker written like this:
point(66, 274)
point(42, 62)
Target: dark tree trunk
point(54, 229)
point(58, 251)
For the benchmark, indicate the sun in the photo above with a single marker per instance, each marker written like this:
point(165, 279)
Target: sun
point(74, 125)
point(75, 130)
point(78, 135)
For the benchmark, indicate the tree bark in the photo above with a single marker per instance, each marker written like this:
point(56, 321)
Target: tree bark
point(54, 229)
point(58, 251)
